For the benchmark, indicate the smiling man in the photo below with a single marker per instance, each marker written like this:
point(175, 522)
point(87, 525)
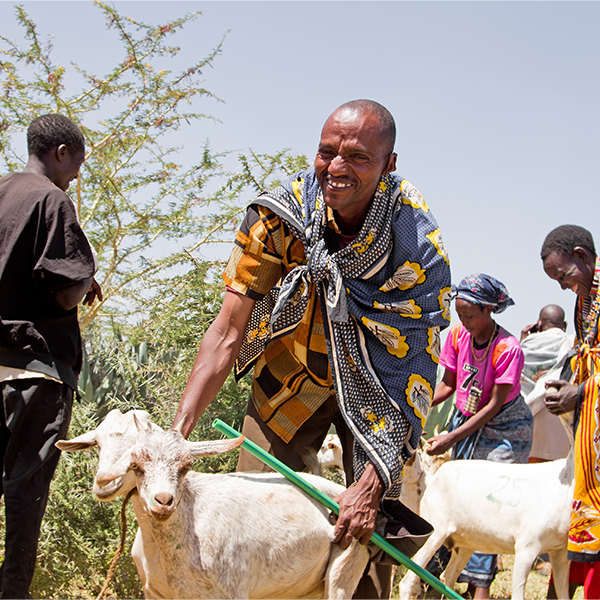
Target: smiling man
point(46, 268)
point(569, 257)
point(338, 286)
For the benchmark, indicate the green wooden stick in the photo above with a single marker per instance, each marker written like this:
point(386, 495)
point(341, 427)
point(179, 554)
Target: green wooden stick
point(334, 506)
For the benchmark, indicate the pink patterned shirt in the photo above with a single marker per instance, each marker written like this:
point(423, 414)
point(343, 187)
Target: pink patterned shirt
point(503, 364)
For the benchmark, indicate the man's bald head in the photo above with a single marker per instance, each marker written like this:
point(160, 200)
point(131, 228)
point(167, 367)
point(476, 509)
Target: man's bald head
point(552, 316)
point(385, 118)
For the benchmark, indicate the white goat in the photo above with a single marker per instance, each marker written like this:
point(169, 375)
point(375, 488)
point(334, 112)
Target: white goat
point(418, 470)
point(242, 535)
point(114, 437)
point(331, 454)
point(497, 508)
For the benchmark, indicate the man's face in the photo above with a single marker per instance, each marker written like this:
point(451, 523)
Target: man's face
point(575, 272)
point(69, 168)
point(350, 162)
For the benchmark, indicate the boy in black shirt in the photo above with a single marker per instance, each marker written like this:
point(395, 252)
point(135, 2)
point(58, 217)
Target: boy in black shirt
point(46, 268)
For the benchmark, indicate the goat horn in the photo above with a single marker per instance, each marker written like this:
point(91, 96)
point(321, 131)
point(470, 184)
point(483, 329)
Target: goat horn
point(210, 448)
point(140, 425)
point(179, 427)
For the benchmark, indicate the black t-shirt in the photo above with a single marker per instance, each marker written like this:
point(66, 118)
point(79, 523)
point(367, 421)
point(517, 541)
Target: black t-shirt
point(42, 250)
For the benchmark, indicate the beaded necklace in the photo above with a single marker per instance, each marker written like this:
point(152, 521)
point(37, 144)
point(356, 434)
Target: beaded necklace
point(590, 308)
point(487, 349)
point(476, 389)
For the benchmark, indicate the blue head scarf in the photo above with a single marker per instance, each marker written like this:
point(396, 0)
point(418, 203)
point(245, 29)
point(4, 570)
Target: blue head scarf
point(483, 290)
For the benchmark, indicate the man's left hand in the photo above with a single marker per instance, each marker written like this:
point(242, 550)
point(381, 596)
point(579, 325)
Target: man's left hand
point(533, 328)
point(94, 292)
point(358, 509)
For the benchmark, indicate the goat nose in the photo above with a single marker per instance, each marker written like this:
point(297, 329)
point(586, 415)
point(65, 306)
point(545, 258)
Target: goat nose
point(164, 498)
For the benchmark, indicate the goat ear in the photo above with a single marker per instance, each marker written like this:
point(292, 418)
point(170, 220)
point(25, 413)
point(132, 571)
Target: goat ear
point(213, 447)
point(81, 442)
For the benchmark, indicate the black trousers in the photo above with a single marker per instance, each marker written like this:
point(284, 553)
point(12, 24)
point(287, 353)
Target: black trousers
point(36, 414)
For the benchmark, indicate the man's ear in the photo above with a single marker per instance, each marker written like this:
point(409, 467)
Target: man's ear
point(62, 152)
point(391, 163)
point(584, 255)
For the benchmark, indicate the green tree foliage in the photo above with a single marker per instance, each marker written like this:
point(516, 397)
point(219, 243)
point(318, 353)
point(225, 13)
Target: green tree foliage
point(133, 190)
point(148, 214)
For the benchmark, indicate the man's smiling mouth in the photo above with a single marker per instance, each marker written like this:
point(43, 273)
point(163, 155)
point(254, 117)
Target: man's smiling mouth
point(339, 184)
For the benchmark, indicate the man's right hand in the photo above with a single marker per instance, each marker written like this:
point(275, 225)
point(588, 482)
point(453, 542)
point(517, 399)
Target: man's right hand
point(533, 328)
point(561, 397)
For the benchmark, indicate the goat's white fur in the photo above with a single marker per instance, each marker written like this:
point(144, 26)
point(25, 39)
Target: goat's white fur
point(241, 535)
point(497, 508)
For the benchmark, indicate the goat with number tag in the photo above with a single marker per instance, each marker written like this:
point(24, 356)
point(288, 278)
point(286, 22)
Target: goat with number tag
point(498, 508)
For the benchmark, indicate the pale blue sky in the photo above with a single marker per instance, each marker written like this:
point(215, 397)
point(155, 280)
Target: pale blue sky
point(496, 105)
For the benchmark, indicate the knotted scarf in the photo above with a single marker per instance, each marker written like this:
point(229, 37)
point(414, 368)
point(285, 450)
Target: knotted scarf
point(384, 297)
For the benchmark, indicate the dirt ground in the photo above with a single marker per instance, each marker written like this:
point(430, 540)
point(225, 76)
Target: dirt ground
point(536, 588)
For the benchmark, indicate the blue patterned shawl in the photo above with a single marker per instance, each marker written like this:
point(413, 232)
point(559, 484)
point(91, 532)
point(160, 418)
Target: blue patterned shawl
point(385, 298)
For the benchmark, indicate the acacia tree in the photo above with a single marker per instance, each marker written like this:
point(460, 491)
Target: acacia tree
point(147, 214)
point(134, 190)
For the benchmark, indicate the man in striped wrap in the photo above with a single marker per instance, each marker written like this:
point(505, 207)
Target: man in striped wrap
point(338, 287)
point(569, 257)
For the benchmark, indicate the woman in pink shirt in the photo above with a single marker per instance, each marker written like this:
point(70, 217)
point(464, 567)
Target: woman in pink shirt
point(483, 364)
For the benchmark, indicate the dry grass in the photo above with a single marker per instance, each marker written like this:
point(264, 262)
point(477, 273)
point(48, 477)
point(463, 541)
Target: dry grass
point(536, 588)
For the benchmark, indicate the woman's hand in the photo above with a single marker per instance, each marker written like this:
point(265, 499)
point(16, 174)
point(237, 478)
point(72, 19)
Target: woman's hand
point(439, 444)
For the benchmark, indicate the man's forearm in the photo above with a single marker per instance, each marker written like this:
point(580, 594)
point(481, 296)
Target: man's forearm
point(371, 484)
point(217, 353)
point(213, 363)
